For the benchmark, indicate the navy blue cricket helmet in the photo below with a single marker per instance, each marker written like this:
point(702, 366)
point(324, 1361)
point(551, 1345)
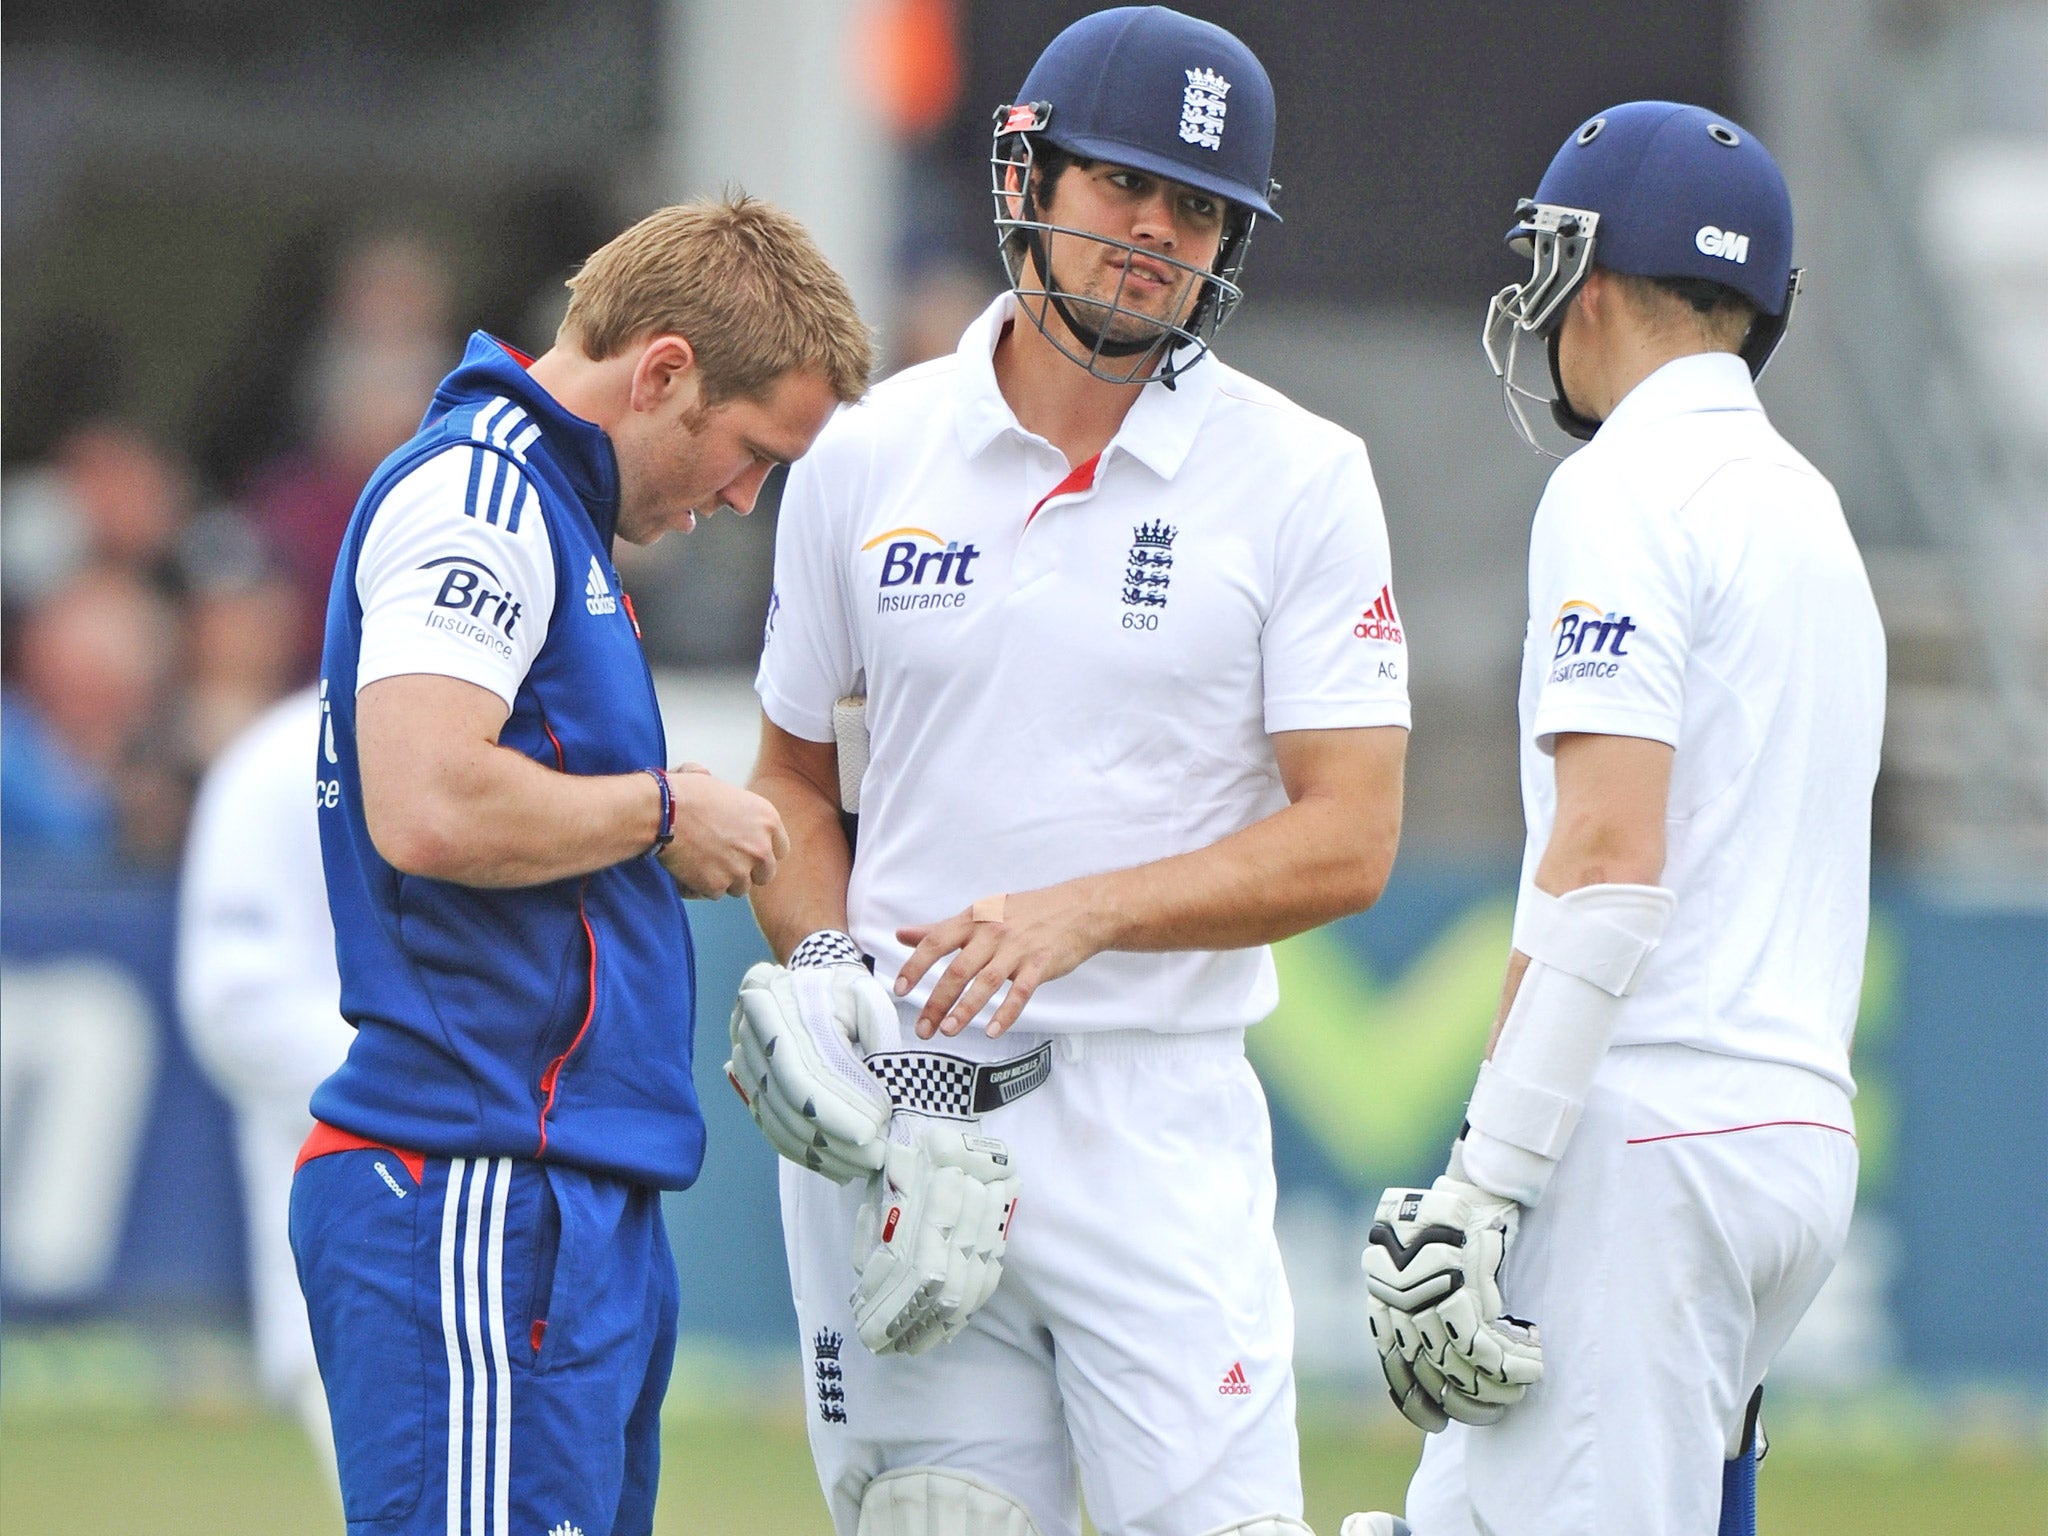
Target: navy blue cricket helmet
point(1148, 88)
point(1654, 189)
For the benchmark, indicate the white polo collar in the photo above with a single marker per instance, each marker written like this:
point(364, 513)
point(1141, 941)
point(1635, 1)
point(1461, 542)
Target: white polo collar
point(1703, 381)
point(1158, 431)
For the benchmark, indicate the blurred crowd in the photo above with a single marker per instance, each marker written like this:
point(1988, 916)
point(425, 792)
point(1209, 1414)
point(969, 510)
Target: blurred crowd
point(155, 597)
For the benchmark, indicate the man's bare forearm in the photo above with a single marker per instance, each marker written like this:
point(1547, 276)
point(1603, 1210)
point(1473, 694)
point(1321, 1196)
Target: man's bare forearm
point(1608, 827)
point(523, 824)
point(444, 800)
point(1326, 854)
point(1304, 865)
point(800, 779)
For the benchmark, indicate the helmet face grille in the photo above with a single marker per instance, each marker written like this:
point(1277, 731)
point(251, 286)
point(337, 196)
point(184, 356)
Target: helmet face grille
point(1115, 341)
point(1559, 243)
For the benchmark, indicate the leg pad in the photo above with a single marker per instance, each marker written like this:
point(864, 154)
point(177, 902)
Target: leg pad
point(938, 1501)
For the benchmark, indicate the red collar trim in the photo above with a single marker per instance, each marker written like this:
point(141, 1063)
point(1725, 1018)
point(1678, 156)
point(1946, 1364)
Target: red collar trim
point(1080, 478)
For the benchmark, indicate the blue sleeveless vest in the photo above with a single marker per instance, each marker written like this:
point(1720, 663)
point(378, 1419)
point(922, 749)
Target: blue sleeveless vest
point(550, 1021)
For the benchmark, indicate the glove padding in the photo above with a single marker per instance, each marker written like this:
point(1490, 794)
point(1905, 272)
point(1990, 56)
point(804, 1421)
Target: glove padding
point(797, 1066)
point(928, 1241)
point(1447, 1347)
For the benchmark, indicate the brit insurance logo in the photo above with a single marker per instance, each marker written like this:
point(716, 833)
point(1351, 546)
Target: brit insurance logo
point(1202, 108)
point(921, 571)
point(473, 603)
point(1588, 641)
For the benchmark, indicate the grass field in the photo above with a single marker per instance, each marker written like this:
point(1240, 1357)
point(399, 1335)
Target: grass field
point(79, 1473)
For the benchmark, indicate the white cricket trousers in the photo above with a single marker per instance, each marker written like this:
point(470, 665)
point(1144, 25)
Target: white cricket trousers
point(1142, 1333)
point(1701, 1203)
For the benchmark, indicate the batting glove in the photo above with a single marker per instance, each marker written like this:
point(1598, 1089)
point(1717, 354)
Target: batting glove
point(928, 1242)
point(797, 1033)
point(1447, 1346)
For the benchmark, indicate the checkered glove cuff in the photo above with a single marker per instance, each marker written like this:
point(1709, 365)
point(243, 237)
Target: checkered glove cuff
point(828, 946)
point(927, 1082)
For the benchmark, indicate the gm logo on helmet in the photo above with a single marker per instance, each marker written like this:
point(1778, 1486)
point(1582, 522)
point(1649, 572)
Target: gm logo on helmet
point(1724, 243)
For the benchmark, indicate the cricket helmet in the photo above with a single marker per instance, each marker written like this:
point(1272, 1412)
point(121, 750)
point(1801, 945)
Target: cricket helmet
point(1654, 189)
point(1159, 92)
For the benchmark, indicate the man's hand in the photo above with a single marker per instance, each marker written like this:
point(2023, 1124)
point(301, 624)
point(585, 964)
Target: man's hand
point(796, 1064)
point(928, 1243)
point(728, 840)
point(1445, 1341)
point(1025, 940)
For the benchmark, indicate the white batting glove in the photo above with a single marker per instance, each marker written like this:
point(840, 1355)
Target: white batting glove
point(928, 1242)
point(797, 1034)
point(1432, 1263)
point(1420, 1397)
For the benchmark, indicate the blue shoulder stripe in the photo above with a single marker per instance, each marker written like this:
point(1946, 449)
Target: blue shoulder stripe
point(476, 469)
point(497, 495)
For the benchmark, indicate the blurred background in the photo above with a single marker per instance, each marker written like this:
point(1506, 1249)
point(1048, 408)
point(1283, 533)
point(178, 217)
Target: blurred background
point(243, 240)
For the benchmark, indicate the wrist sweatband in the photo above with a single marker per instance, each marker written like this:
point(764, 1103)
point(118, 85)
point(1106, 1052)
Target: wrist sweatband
point(828, 946)
point(1586, 949)
point(666, 832)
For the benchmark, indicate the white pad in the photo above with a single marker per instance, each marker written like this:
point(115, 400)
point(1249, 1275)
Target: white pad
point(1587, 949)
point(938, 1501)
point(1602, 934)
point(1263, 1525)
point(850, 733)
point(1374, 1524)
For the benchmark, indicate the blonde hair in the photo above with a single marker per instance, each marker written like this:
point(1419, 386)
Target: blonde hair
point(741, 281)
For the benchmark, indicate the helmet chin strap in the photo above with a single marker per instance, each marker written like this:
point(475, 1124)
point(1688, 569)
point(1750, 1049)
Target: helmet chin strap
point(1569, 421)
point(1091, 337)
point(1097, 341)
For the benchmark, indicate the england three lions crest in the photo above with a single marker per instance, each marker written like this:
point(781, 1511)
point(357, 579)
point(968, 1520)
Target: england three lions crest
point(1202, 108)
point(1148, 569)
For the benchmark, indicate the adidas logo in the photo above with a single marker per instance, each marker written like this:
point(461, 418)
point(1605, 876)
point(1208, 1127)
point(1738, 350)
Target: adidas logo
point(1234, 1384)
point(566, 1529)
point(1380, 621)
point(598, 598)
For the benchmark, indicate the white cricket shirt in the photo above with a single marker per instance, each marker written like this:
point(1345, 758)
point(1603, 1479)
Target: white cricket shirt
point(1076, 670)
point(257, 983)
point(1692, 581)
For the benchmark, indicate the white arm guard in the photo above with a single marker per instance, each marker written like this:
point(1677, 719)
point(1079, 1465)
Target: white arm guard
point(928, 1243)
point(1586, 950)
point(795, 1062)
